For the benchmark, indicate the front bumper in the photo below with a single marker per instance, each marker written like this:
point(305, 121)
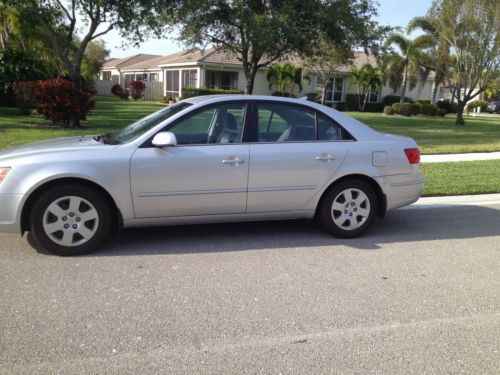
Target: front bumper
point(10, 213)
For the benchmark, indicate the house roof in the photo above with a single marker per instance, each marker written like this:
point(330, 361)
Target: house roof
point(127, 61)
point(213, 56)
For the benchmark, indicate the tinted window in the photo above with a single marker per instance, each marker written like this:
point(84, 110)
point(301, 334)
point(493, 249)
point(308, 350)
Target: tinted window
point(285, 123)
point(329, 130)
point(220, 124)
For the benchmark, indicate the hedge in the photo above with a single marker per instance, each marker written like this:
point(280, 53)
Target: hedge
point(189, 92)
point(391, 99)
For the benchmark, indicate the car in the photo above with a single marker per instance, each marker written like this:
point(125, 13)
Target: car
point(204, 160)
point(493, 106)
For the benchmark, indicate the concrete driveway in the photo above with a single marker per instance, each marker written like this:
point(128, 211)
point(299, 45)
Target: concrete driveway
point(420, 293)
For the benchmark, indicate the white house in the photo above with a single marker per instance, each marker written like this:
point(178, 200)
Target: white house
point(218, 69)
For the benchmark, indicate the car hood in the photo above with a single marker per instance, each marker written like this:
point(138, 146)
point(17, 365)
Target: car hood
point(53, 145)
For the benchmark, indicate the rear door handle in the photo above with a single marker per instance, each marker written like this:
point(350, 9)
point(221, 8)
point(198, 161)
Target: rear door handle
point(325, 157)
point(233, 161)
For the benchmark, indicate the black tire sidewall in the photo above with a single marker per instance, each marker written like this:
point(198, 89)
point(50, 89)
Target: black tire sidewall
point(326, 218)
point(94, 197)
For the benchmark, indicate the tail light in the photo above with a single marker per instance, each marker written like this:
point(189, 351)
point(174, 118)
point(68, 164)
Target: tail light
point(413, 155)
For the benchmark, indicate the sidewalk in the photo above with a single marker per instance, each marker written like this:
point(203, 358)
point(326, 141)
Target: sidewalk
point(457, 200)
point(460, 157)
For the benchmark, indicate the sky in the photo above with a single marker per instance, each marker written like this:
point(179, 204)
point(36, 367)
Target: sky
point(391, 12)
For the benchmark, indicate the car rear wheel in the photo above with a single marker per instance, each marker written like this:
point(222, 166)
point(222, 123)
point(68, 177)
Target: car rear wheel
point(348, 209)
point(70, 220)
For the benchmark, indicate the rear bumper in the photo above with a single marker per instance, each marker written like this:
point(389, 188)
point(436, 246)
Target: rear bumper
point(10, 213)
point(402, 190)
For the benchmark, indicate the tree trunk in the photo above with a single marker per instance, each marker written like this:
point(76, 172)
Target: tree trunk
point(460, 113)
point(76, 86)
point(403, 91)
point(364, 101)
point(434, 93)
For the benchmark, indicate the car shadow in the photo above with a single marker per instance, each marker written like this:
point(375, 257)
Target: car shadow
point(404, 225)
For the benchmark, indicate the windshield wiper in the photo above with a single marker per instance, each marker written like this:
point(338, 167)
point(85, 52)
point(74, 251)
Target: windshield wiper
point(104, 138)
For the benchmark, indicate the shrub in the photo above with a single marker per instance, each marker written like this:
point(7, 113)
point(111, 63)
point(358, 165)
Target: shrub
point(441, 112)
point(283, 94)
point(395, 107)
point(448, 106)
point(189, 92)
point(476, 104)
point(423, 101)
point(415, 109)
point(56, 99)
point(374, 107)
point(24, 94)
point(118, 90)
point(429, 109)
point(165, 99)
point(312, 96)
point(339, 106)
point(391, 99)
point(388, 110)
point(351, 102)
point(406, 111)
point(137, 88)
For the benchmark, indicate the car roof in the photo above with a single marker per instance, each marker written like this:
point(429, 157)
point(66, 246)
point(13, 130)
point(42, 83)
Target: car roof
point(216, 98)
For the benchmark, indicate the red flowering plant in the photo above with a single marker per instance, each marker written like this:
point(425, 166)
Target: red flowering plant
point(117, 90)
point(137, 88)
point(56, 99)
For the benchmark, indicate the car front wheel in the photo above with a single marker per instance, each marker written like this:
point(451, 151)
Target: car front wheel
point(348, 209)
point(70, 220)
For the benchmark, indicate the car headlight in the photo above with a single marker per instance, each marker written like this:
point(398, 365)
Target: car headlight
point(3, 173)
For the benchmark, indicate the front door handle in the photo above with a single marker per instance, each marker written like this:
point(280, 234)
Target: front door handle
point(233, 161)
point(325, 157)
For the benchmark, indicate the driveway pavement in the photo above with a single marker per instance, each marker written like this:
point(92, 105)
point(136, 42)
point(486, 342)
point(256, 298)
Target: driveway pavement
point(420, 293)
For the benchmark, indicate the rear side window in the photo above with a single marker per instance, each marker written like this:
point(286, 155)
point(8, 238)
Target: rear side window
point(278, 122)
point(285, 123)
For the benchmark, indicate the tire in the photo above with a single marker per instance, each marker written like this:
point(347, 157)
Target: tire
point(70, 220)
point(348, 209)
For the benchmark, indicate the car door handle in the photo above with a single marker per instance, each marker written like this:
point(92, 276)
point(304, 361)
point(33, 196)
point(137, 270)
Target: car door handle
point(325, 157)
point(234, 161)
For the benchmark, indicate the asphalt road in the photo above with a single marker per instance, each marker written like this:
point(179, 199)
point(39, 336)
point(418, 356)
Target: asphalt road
point(420, 293)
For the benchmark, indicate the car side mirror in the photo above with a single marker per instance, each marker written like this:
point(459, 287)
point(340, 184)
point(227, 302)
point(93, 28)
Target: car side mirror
point(164, 139)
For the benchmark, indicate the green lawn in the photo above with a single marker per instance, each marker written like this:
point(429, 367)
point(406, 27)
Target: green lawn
point(462, 178)
point(109, 115)
point(438, 135)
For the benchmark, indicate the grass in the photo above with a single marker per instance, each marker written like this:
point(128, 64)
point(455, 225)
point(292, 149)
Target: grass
point(462, 178)
point(109, 115)
point(438, 135)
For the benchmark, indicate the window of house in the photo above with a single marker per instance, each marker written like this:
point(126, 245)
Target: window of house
point(141, 76)
point(106, 76)
point(128, 78)
point(334, 91)
point(189, 78)
point(172, 82)
point(217, 79)
point(373, 96)
point(154, 76)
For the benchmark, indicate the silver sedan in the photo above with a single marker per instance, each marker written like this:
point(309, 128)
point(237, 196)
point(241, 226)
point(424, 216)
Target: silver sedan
point(208, 159)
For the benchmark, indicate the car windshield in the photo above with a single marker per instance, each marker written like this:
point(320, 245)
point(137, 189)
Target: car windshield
point(141, 126)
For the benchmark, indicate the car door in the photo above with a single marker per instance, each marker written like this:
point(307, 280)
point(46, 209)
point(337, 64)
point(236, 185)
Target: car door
point(296, 154)
point(205, 174)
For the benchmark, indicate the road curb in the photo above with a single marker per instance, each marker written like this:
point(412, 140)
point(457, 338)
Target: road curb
point(454, 158)
point(457, 200)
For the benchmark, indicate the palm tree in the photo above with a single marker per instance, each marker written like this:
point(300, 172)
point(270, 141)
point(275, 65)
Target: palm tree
point(285, 77)
point(441, 60)
point(411, 64)
point(366, 79)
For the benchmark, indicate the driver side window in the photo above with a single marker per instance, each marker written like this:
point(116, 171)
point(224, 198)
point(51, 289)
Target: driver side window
point(220, 124)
